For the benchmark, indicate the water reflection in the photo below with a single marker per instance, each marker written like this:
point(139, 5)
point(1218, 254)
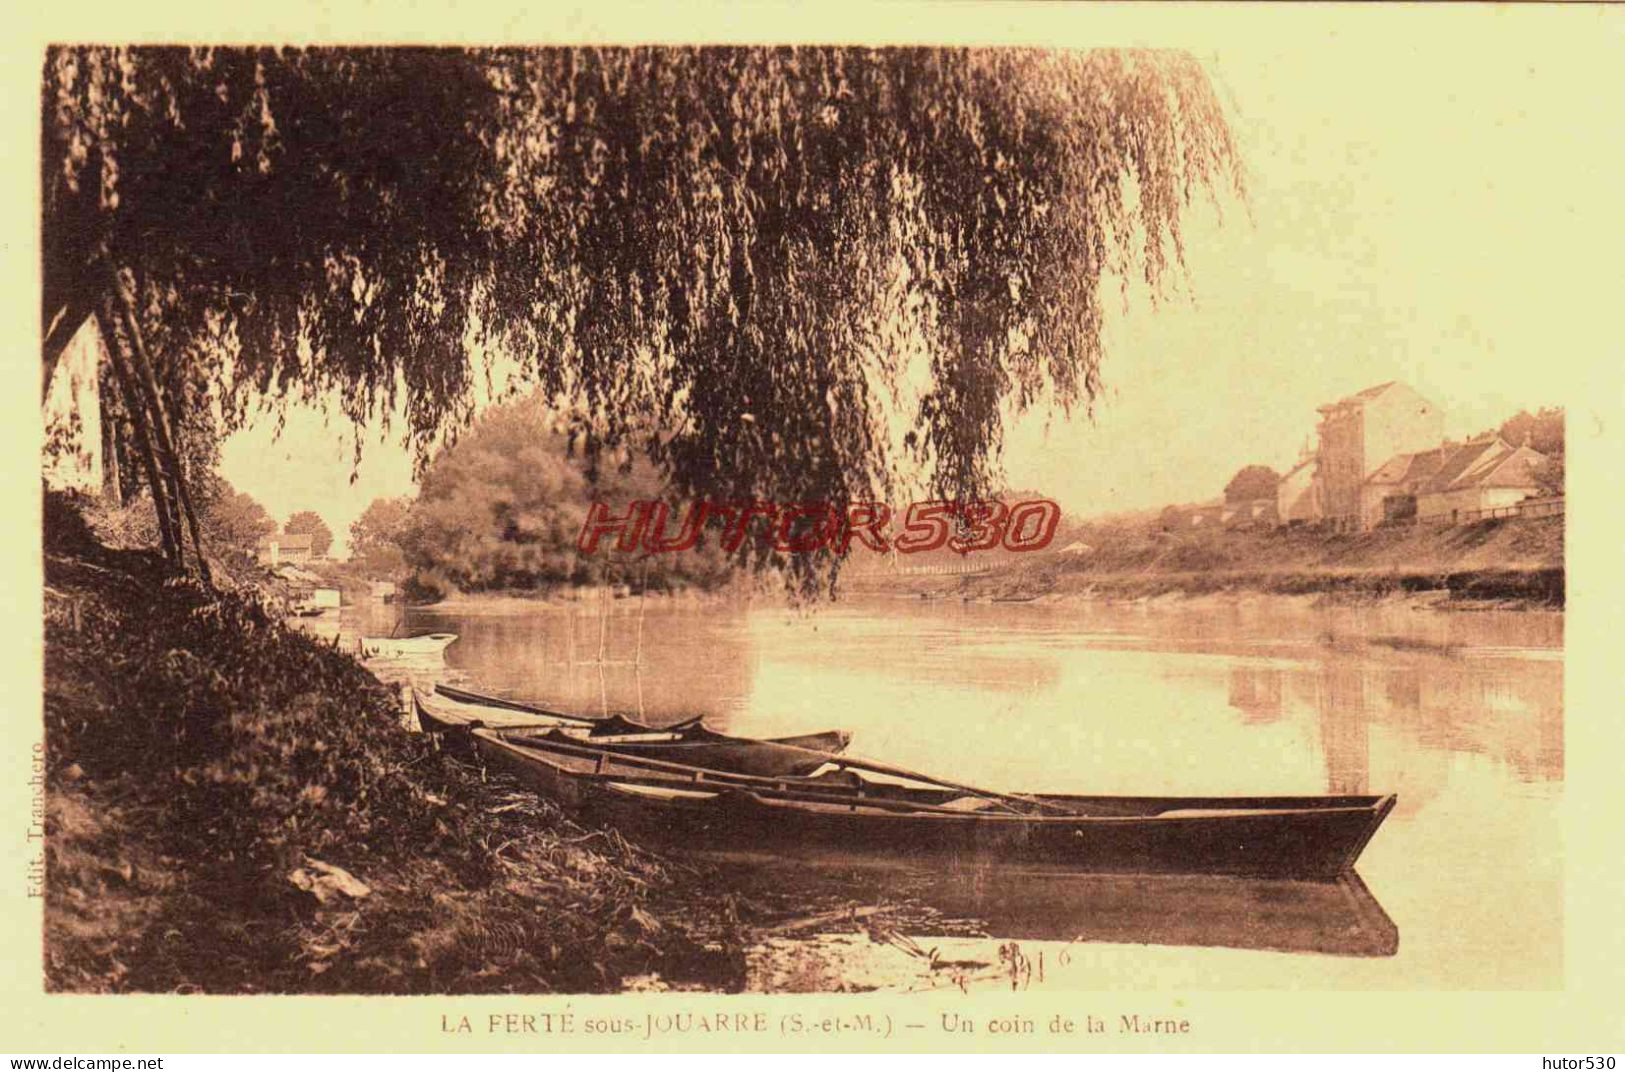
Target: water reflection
point(1339, 918)
point(1256, 693)
point(1511, 713)
point(661, 667)
point(1459, 714)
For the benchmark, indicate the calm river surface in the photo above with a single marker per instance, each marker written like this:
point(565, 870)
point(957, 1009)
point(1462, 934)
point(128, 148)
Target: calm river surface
point(1460, 714)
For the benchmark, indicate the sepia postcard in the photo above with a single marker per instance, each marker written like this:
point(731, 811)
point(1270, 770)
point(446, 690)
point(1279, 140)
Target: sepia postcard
point(894, 528)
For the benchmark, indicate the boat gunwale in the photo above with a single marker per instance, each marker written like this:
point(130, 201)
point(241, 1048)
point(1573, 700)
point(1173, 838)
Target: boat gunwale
point(470, 698)
point(786, 790)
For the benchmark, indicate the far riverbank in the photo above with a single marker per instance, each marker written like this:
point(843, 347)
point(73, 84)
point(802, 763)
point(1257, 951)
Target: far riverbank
point(1499, 564)
point(1536, 589)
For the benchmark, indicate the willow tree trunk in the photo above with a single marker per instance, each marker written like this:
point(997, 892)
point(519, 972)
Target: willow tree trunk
point(166, 438)
point(107, 320)
point(112, 476)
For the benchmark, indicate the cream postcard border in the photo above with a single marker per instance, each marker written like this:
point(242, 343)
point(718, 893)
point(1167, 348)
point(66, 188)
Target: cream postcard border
point(1584, 1017)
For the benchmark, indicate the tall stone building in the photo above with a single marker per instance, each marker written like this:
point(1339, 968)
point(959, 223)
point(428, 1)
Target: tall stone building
point(1358, 434)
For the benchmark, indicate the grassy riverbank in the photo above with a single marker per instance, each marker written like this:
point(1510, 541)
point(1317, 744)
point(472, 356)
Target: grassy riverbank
point(1504, 563)
point(234, 807)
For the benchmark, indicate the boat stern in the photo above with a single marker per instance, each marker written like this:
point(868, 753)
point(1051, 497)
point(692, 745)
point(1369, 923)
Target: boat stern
point(1379, 812)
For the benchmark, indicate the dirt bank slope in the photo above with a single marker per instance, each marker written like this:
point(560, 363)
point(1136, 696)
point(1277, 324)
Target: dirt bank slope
point(209, 769)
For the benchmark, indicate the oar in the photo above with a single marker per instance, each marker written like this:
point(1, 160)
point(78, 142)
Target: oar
point(799, 794)
point(829, 757)
point(689, 773)
point(900, 772)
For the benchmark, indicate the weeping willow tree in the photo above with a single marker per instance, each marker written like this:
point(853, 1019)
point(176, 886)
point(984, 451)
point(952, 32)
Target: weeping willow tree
point(742, 262)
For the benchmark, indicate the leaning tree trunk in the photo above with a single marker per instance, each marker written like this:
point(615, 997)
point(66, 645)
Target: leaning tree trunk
point(118, 320)
point(166, 439)
point(112, 476)
point(107, 319)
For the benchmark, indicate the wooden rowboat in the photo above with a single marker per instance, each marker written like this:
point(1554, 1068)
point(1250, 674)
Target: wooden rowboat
point(844, 812)
point(688, 743)
point(500, 712)
point(405, 647)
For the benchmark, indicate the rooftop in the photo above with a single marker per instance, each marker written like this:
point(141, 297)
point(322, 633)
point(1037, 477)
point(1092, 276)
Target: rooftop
point(1467, 464)
point(1360, 398)
point(1487, 461)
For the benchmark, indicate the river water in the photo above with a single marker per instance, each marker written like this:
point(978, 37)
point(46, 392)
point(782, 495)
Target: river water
point(1459, 713)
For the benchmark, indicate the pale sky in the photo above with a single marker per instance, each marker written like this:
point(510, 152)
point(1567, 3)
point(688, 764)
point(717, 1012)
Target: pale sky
point(1446, 217)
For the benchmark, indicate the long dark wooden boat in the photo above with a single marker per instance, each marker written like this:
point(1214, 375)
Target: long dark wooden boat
point(843, 811)
point(687, 743)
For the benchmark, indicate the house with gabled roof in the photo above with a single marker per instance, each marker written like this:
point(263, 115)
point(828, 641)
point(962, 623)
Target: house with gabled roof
point(1485, 474)
point(1450, 481)
point(1389, 494)
point(284, 547)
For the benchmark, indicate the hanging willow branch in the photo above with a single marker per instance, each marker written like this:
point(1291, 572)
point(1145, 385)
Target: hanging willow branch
point(785, 274)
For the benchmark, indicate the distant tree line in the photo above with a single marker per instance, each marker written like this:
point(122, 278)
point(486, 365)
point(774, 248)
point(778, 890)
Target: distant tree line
point(1252, 482)
point(502, 507)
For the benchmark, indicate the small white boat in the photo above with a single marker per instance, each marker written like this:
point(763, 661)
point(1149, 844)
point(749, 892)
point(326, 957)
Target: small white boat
point(405, 647)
